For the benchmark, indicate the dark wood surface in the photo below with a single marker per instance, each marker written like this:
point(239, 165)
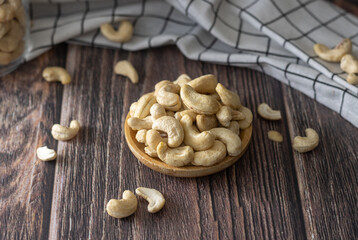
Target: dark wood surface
point(271, 193)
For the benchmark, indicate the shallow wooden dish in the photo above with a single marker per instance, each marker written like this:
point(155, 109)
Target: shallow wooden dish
point(187, 171)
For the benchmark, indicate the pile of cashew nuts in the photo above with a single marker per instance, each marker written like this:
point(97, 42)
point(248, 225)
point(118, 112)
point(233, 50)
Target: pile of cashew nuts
point(190, 122)
point(12, 30)
point(341, 53)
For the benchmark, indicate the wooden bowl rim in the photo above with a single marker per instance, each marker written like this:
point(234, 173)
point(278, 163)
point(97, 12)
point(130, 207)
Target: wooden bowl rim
point(188, 171)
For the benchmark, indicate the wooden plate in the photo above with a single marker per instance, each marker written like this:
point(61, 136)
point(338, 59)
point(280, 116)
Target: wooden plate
point(187, 171)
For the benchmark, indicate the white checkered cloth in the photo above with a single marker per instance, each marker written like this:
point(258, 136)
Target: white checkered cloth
point(272, 36)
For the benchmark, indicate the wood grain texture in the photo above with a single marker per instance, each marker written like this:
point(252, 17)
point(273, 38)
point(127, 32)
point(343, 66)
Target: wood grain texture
point(272, 192)
point(327, 176)
point(257, 197)
point(28, 107)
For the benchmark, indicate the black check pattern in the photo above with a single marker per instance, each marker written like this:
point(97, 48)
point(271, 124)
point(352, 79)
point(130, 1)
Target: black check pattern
point(272, 36)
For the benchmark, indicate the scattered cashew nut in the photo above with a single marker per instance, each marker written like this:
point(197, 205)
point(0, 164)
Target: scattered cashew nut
point(154, 197)
point(63, 133)
point(352, 78)
point(335, 54)
point(176, 157)
point(349, 64)
point(192, 137)
point(124, 207)
point(54, 74)
point(210, 156)
point(266, 112)
point(122, 35)
point(199, 103)
point(125, 68)
point(46, 154)
point(275, 136)
point(308, 143)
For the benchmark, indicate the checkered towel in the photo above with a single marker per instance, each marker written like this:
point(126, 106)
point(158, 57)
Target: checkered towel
point(272, 36)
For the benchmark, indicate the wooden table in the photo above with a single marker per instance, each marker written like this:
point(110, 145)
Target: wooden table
point(273, 192)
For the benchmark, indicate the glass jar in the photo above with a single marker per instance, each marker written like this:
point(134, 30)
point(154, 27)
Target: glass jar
point(14, 34)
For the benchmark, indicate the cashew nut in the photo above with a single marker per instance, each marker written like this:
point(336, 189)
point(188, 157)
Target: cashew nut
point(204, 84)
point(159, 85)
point(157, 111)
point(230, 139)
point(20, 15)
point(168, 97)
point(228, 97)
point(352, 78)
point(349, 64)
point(172, 127)
point(192, 137)
point(6, 12)
point(176, 157)
point(179, 115)
point(11, 40)
point(122, 35)
point(235, 127)
point(153, 138)
point(170, 113)
point(132, 109)
point(4, 28)
point(141, 135)
point(138, 124)
point(124, 207)
point(210, 156)
point(6, 58)
point(154, 197)
point(266, 112)
point(216, 96)
point(199, 103)
point(335, 54)
point(46, 154)
point(248, 117)
point(54, 74)
point(275, 136)
point(182, 79)
point(125, 68)
point(144, 104)
point(224, 116)
point(63, 133)
point(308, 143)
point(206, 122)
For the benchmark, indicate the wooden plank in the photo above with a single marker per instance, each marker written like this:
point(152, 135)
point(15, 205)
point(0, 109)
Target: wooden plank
point(327, 176)
point(257, 198)
point(28, 108)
